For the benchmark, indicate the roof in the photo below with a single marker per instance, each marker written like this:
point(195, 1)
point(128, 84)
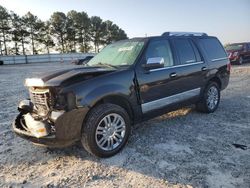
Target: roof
point(174, 34)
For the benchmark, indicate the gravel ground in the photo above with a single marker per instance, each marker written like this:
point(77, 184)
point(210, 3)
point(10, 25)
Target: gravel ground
point(179, 149)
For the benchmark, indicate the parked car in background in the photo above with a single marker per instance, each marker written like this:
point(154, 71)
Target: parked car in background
point(83, 61)
point(238, 52)
point(128, 82)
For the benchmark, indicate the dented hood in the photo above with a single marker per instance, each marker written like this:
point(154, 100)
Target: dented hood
point(66, 76)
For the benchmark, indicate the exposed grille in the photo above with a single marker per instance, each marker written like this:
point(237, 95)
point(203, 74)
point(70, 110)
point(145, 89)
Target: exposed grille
point(41, 100)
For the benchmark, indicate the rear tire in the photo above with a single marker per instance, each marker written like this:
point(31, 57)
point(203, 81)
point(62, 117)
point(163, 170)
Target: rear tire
point(106, 130)
point(210, 99)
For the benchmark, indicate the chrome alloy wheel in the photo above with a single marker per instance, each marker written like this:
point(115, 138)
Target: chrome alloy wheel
point(110, 132)
point(212, 97)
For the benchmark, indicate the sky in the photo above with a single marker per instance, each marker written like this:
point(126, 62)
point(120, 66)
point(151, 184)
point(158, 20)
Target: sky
point(229, 20)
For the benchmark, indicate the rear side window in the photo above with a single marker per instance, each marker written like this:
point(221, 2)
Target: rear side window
point(213, 48)
point(185, 51)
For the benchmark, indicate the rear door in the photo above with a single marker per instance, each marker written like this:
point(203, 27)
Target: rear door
point(191, 69)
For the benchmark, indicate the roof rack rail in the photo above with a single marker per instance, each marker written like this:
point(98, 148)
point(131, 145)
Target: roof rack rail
point(183, 34)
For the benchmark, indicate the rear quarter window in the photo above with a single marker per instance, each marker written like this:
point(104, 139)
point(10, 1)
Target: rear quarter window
point(213, 49)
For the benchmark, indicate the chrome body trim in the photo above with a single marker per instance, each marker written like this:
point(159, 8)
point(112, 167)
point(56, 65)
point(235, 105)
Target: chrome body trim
point(218, 59)
point(159, 103)
point(190, 61)
point(176, 66)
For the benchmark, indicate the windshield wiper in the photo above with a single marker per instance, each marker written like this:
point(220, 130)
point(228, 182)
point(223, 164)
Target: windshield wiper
point(106, 64)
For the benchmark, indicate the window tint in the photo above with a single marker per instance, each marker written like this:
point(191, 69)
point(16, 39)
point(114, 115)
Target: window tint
point(213, 48)
point(197, 53)
point(185, 51)
point(160, 49)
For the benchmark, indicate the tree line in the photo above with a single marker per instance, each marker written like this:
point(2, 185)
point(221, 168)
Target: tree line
point(71, 32)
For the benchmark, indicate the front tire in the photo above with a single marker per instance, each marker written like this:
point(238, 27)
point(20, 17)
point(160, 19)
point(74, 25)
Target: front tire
point(210, 99)
point(106, 130)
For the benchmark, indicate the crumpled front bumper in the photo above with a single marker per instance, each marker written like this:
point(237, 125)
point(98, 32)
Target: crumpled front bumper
point(67, 129)
point(49, 140)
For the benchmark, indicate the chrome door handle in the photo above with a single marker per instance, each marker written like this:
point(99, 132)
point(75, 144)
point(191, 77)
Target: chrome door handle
point(204, 68)
point(172, 75)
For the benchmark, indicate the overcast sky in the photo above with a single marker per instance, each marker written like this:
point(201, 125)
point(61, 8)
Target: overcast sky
point(229, 20)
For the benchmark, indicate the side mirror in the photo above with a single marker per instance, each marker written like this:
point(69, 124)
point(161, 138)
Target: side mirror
point(154, 63)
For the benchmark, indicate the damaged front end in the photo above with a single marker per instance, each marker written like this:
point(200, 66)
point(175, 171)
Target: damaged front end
point(43, 121)
point(54, 114)
point(36, 120)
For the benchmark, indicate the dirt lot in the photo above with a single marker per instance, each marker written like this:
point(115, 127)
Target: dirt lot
point(179, 149)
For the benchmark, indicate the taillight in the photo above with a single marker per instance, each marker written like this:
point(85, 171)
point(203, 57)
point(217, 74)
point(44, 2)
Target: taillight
point(229, 67)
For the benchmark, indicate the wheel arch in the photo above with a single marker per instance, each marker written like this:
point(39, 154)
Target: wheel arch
point(120, 101)
point(216, 80)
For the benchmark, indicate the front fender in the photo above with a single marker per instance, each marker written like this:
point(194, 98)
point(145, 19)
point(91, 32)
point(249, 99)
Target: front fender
point(106, 90)
point(69, 125)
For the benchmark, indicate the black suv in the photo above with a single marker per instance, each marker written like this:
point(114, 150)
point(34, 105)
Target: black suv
point(128, 82)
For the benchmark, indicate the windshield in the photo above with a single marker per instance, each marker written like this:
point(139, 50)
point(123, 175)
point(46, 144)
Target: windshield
point(122, 53)
point(234, 47)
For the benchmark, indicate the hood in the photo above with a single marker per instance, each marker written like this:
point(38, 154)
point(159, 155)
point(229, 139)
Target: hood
point(67, 76)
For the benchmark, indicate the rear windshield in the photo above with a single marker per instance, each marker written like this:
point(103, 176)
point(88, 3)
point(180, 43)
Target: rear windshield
point(213, 48)
point(234, 47)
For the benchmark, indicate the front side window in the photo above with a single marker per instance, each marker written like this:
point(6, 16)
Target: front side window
point(160, 49)
point(185, 51)
point(123, 53)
